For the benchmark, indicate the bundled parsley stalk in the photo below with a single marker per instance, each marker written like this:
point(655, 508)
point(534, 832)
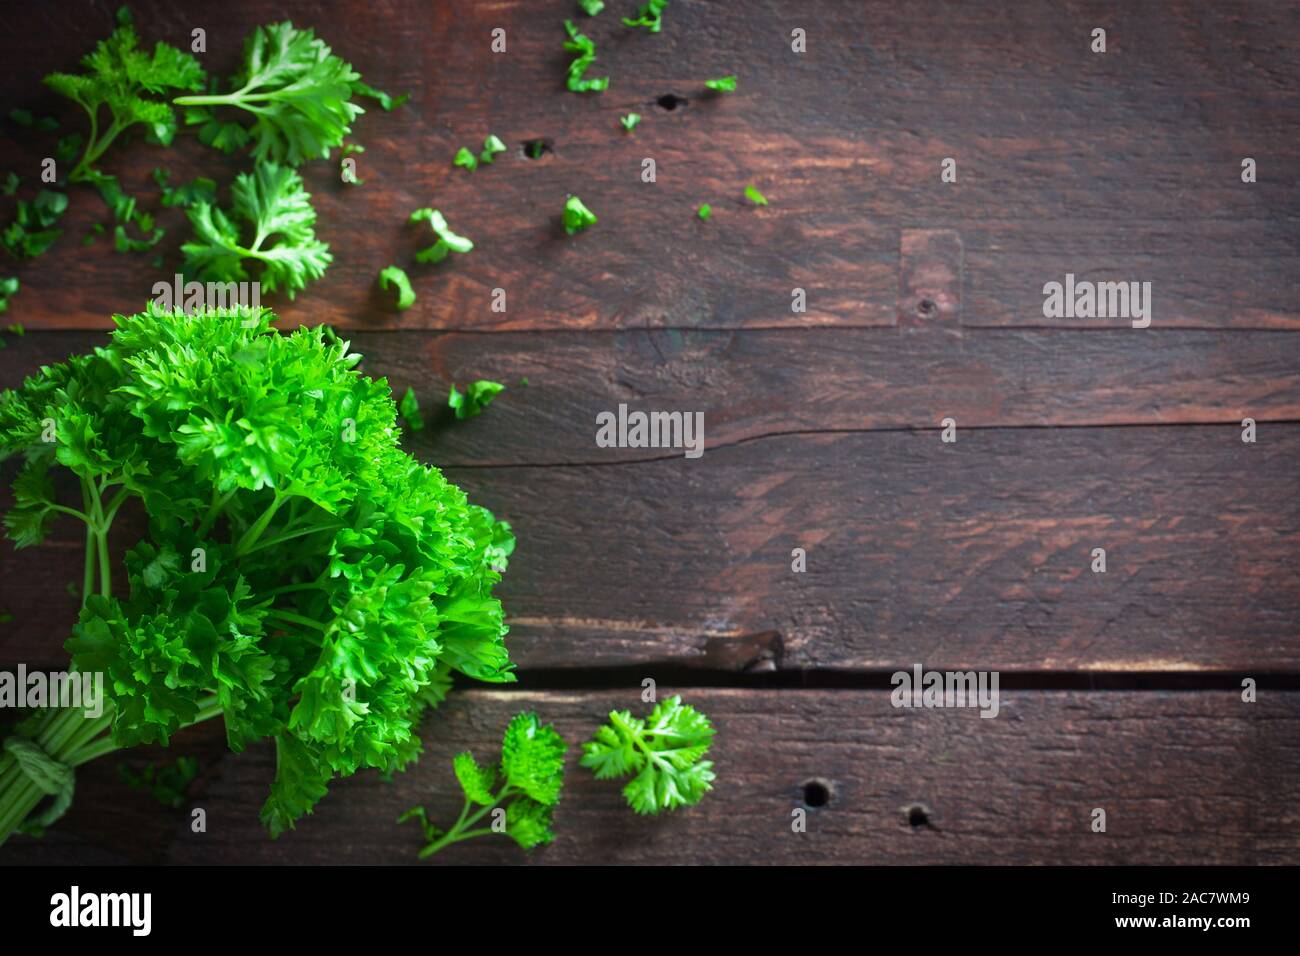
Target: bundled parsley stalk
point(302, 577)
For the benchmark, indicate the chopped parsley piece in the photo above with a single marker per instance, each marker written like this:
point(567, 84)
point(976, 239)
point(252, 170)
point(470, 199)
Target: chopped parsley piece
point(386, 103)
point(582, 45)
point(491, 146)
point(465, 158)
point(723, 84)
point(754, 196)
point(165, 782)
point(591, 7)
point(705, 212)
point(32, 231)
point(650, 16)
point(476, 397)
point(10, 184)
point(577, 217)
point(409, 406)
point(447, 242)
point(630, 120)
point(396, 277)
point(8, 289)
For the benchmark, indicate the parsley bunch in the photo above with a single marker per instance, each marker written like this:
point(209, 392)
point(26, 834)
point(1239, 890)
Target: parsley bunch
point(302, 577)
point(526, 787)
point(298, 92)
point(274, 205)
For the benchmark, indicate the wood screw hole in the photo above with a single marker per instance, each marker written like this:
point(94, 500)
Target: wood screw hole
point(926, 308)
point(816, 793)
point(670, 101)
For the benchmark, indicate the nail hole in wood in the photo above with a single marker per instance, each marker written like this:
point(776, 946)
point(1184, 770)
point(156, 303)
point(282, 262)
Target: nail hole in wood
point(926, 308)
point(534, 148)
point(670, 101)
point(816, 793)
point(918, 815)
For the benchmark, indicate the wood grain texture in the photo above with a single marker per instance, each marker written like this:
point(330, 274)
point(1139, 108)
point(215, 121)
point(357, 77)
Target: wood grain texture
point(974, 554)
point(1117, 166)
point(1182, 776)
point(759, 384)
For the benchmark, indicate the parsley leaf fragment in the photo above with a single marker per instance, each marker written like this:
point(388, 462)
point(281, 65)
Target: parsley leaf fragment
point(447, 242)
point(723, 84)
point(664, 750)
point(585, 47)
point(705, 212)
point(33, 228)
point(409, 409)
point(396, 277)
point(476, 397)
point(754, 196)
point(577, 216)
point(630, 121)
point(650, 16)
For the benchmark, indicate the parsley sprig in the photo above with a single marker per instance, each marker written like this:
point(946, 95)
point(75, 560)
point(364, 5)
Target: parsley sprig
point(664, 750)
point(526, 786)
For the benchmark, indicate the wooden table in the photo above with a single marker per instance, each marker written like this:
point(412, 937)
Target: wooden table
point(924, 300)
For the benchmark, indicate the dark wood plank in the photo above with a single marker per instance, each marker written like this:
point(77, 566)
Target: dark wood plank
point(757, 384)
point(1122, 165)
point(1182, 777)
point(969, 554)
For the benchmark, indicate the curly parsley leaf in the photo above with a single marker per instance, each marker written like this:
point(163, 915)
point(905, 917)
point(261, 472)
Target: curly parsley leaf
point(396, 277)
point(665, 751)
point(577, 217)
point(476, 397)
point(273, 206)
point(125, 80)
point(526, 787)
point(297, 91)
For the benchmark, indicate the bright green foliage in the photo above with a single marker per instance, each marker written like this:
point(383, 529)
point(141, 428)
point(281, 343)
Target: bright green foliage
point(10, 186)
point(526, 786)
point(447, 242)
point(409, 409)
point(650, 16)
point(591, 7)
point(297, 91)
point(476, 397)
point(302, 575)
point(754, 196)
point(396, 277)
point(577, 216)
point(271, 204)
point(705, 212)
point(723, 84)
point(33, 228)
point(125, 213)
point(665, 751)
point(124, 79)
point(630, 121)
point(464, 157)
point(386, 103)
point(585, 47)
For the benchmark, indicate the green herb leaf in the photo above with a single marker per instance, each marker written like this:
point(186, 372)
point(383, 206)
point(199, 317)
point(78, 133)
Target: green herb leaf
point(754, 196)
point(465, 158)
point(491, 146)
point(585, 47)
point(32, 231)
point(297, 91)
point(591, 7)
point(630, 121)
point(577, 216)
point(447, 242)
point(394, 276)
point(476, 397)
point(272, 205)
point(650, 16)
point(409, 409)
point(723, 84)
point(705, 212)
point(665, 751)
